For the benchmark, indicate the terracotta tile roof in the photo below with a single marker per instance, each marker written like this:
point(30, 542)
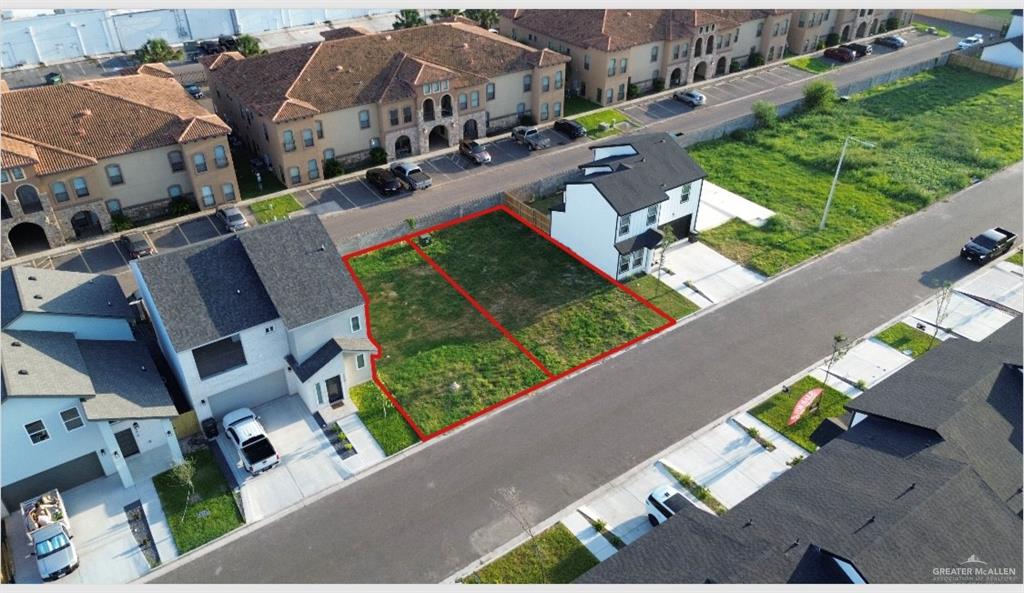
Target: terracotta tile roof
point(344, 33)
point(364, 69)
point(15, 153)
point(73, 125)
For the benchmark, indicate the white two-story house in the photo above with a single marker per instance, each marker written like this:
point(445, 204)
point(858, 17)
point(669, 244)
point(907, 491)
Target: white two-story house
point(247, 318)
point(631, 189)
point(81, 398)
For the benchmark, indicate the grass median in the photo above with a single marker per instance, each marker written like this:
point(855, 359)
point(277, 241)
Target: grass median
point(387, 426)
point(275, 208)
point(553, 557)
point(907, 339)
point(776, 410)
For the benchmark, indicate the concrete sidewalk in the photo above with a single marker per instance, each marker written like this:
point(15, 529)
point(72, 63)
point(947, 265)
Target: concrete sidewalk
point(703, 275)
point(719, 205)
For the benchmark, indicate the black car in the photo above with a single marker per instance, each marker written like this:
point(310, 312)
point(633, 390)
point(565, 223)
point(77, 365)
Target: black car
point(384, 180)
point(988, 245)
point(54, 78)
point(570, 128)
point(861, 49)
point(841, 54)
point(137, 246)
point(194, 90)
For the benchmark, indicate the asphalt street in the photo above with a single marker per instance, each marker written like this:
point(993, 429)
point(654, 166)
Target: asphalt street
point(431, 513)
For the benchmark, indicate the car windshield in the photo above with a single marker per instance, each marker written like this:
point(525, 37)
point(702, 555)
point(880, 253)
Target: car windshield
point(675, 503)
point(476, 148)
point(51, 545)
point(235, 218)
point(986, 240)
point(257, 449)
point(137, 243)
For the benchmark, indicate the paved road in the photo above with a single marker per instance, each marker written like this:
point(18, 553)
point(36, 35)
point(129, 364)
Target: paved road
point(430, 514)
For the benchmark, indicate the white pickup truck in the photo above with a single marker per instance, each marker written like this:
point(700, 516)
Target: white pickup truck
point(49, 534)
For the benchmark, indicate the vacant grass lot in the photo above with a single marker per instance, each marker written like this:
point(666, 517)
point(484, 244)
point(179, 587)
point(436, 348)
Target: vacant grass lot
point(593, 122)
point(662, 296)
point(775, 411)
point(275, 208)
point(387, 426)
point(933, 131)
point(903, 337)
point(441, 359)
point(203, 520)
point(560, 310)
point(812, 64)
point(553, 557)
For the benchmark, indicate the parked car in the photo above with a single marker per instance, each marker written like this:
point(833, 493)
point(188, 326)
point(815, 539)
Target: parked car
point(891, 41)
point(210, 47)
point(570, 128)
point(862, 49)
point(531, 137)
point(233, 219)
point(54, 78)
point(664, 502)
point(384, 180)
point(840, 54)
point(474, 151)
point(194, 90)
point(972, 41)
point(988, 245)
point(228, 42)
point(136, 245)
point(411, 175)
point(692, 98)
point(49, 535)
point(245, 432)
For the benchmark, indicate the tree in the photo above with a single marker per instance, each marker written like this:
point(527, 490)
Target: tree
point(445, 13)
point(408, 18)
point(509, 501)
point(765, 114)
point(819, 95)
point(840, 345)
point(486, 18)
point(158, 50)
point(754, 60)
point(668, 237)
point(185, 472)
point(941, 310)
point(249, 46)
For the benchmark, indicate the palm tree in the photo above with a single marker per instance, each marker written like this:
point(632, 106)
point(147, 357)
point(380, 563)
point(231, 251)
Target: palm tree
point(487, 17)
point(446, 13)
point(408, 18)
point(158, 50)
point(249, 46)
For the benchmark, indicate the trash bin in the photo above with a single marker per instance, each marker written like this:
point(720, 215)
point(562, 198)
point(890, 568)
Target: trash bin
point(210, 428)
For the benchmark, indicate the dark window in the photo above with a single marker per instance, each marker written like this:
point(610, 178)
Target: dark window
point(199, 160)
point(527, 83)
point(406, 114)
point(307, 138)
point(176, 160)
point(60, 191)
point(490, 91)
point(114, 175)
point(220, 157)
point(320, 130)
point(219, 357)
point(393, 117)
point(289, 140)
point(72, 419)
point(81, 187)
point(37, 431)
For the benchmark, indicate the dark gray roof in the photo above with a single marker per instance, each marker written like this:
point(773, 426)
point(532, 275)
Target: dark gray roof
point(51, 361)
point(39, 290)
point(648, 239)
point(126, 382)
point(641, 180)
point(217, 288)
point(1016, 41)
point(326, 354)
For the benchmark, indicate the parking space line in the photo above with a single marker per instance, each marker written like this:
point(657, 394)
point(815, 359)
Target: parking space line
point(84, 261)
point(118, 250)
point(343, 195)
point(216, 228)
point(188, 241)
point(372, 191)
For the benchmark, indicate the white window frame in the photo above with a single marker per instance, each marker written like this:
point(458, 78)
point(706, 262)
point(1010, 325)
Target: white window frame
point(684, 195)
point(652, 215)
point(78, 417)
point(622, 228)
point(43, 431)
point(361, 361)
point(355, 324)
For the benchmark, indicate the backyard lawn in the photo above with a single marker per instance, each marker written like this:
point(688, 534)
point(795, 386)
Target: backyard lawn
point(903, 337)
point(275, 208)
point(577, 105)
point(593, 122)
point(210, 514)
point(775, 411)
point(553, 557)
point(247, 185)
point(812, 64)
point(381, 418)
point(544, 204)
point(662, 296)
point(934, 132)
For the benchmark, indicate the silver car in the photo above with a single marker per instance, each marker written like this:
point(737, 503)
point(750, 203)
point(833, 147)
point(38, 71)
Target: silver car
point(233, 219)
point(692, 98)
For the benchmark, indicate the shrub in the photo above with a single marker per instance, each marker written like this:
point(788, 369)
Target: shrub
point(832, 40)
point(181, 207)
point(735, 66)
point(882, 28)
point(120, 222)
point(334, 168)
point(755, 59)
point(765, 113)
point(821, 45)
point(819, 95)
point(891, 23)
point(657, 85)
point(378, 155)
point(632, 91)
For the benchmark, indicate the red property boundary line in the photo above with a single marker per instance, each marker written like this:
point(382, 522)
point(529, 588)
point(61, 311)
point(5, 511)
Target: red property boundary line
point(408, 239)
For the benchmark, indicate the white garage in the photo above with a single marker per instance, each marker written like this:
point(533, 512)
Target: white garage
point(249, 395)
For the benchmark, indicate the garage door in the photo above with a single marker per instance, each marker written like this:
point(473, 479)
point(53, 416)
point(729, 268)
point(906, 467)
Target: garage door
point(250, 395)
point(64, 477)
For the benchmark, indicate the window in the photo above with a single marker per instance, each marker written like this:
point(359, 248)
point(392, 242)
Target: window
point(622, 65)
point(354, 323)
point(675, 52)
point(207, 193)
point(220, 157)
point(229, 192)
point(393, 117)
point(3, 176)
point(364, 119)
point(489, 90)
point(623, 225)
point(760, 28)
point(37, 432)
point(775, 32)
point(611, 67)
point(622, 91)
point(174, 191)
point(176, 160)
point(313, 167)
point(558, 109)
point(17, 173)
point(294, 175)
point(360, 361)
point(623, 264)
point(60, 191)
point(521, 109)
point(598, 94)
point(319, 394)
point(544, 112)
point(654, 53)
point(558, 79)
point(652, 215)
point(610, 96)
point(638, 258)
point(328, 154)
point(219, 357)
point(463, 101)
point(474, 99)
point(319, 129)
point(81, 187)
point(527, 83)
point(586, 61)
point(114, 175)
point(72, 419)
point(199, 160)
point(406, 114)
point(114, 206)
point(545, 84)
point(684, 195)
point(289, 140)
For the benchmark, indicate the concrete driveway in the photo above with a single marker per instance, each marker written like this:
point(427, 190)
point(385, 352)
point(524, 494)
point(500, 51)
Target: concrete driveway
point(703, 275)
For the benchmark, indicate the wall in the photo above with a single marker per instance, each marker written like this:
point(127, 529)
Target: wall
point(162, 338)
point(147, 175)
point(306, 340)
point(84, 328)
point(149, 434)
point(963, 17)
point(56, 38)
point(675, 208)
point(587, 227)
point(213, 177)
point(992, 69)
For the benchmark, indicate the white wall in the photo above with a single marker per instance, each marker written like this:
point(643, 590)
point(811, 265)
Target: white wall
point(674, 208)
point(306, 340)
point(55, 38)
point(587, 226)
point(1015, 27)
point(149, 435)
point(1004, 54)
point(84, 328)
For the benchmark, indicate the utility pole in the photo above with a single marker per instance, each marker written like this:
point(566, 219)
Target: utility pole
point(835, 179)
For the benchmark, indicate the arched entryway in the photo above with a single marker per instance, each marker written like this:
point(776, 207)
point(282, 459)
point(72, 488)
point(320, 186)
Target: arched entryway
point(439, 138)
point(428, 110)
point(86, 224)
point(469, 131)
point(710, 45)
point(27, 237)
point(446, 106)
point(5, 210)
point(874, 27)
point(28, 197)
point(676, 78)
point(722, 65)
point(700, 72)
point(698, 47)
point(861, 29)
point(846, 34)
point(403, 147)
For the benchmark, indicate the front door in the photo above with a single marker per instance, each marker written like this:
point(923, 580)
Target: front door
point(334, 393)
point(126, 442)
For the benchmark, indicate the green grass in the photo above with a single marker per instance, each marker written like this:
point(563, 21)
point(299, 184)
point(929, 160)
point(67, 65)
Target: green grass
point(923, 28)
point(1017, 258)
point(544, 204)
point(811, 64)
point(699, 491)
point(275, 208)
point(553, 557)
point(247, 185)
point(933, 133)
point(592, 122)
point(662, 296)
point(189, 528)
point(577, 105)
point(903, 337)
point(999, 13)
point(381, 418)
point(775, 411)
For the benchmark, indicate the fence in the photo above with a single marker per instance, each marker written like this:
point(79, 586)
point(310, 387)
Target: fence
point(995, 70)
point(186, 424)
point(964, 18)
point(537, 218)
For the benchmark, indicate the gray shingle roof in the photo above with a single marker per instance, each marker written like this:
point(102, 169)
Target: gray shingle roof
point(641, 180)
point(648, 239)
point(51, 361)
point(126, 382)
point(38, 290)
point(326, 354)
point(289, 270)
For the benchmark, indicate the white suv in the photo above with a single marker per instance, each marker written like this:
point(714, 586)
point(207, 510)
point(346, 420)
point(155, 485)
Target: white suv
point(246, 433)
point(662, 503)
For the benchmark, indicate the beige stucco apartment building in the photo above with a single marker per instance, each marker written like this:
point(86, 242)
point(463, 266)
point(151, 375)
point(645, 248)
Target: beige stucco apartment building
point(77, 154)
point(405, 91)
